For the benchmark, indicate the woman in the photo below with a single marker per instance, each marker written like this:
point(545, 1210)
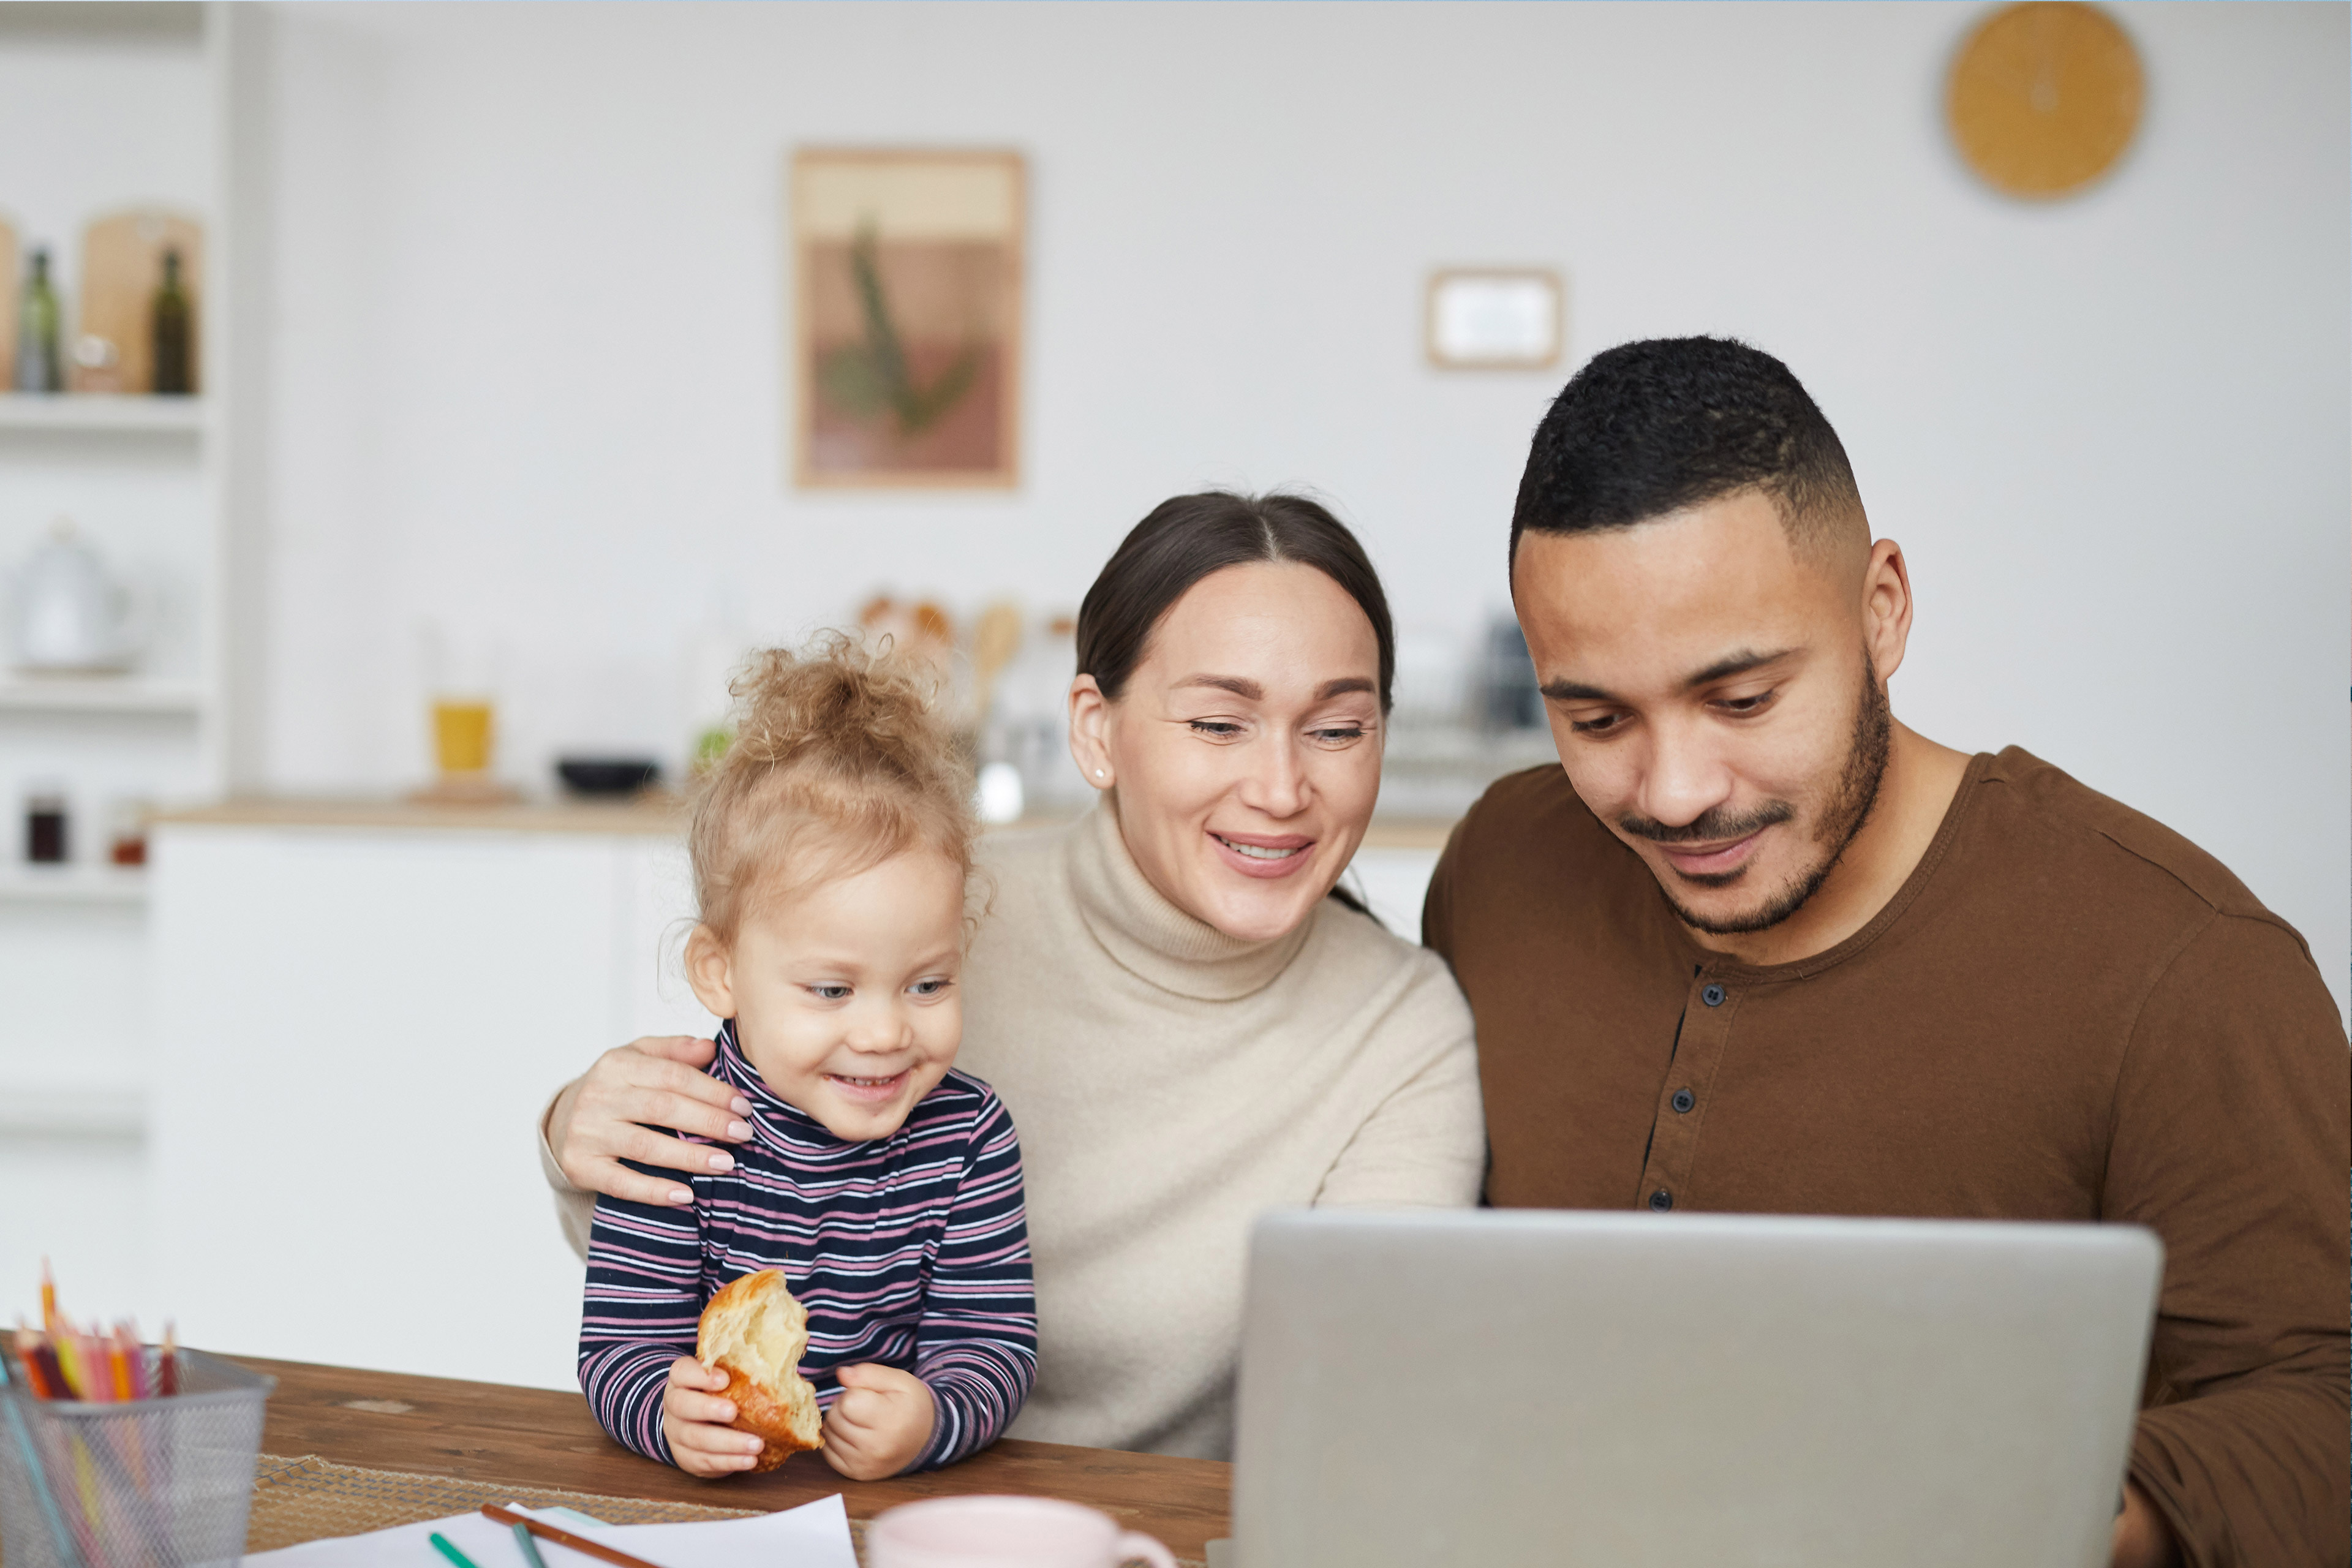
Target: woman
point(1188, 1023)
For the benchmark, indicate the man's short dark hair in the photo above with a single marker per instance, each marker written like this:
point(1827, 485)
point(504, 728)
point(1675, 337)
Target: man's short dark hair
point(1666, 423)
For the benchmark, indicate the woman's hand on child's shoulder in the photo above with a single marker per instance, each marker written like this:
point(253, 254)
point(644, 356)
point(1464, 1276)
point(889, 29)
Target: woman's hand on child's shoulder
point(610, 1115)
point(880, 1424)
point(695, 1421)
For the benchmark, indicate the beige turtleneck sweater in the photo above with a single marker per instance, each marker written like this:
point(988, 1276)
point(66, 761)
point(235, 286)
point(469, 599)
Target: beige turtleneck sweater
point(1169, 1083)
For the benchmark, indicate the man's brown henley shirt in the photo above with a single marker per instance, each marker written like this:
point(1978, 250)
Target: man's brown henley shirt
point(2068, 1011)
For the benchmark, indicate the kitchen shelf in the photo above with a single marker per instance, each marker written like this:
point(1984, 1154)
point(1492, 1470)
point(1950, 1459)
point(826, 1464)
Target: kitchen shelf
point(49, 1108)
point(95, 411)
point(72, 885)
point(100, 694)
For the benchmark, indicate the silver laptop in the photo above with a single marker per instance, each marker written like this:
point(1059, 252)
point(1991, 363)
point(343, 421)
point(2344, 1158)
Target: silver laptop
point(1686, 1391)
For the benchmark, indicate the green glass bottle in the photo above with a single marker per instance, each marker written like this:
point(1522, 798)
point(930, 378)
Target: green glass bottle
point(39, 368)
point(174, 373)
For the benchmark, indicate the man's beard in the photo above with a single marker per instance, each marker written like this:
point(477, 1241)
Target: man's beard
point(1842, 819)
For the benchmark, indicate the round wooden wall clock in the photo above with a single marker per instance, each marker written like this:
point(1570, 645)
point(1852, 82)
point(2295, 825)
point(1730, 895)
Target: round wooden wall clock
point(2044, 97)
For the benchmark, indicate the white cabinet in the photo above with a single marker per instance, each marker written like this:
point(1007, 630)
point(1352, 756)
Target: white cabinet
point(356, 1030)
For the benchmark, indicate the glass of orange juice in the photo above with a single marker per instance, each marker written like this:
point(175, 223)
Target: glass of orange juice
point(464, 734)
point(460, 678)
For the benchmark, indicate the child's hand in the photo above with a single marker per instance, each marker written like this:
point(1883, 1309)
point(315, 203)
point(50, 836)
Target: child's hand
point(695, 1420)
point(882, 1420)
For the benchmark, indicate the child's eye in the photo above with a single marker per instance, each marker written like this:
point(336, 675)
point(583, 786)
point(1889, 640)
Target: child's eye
point(830, 993)
point(929, 987)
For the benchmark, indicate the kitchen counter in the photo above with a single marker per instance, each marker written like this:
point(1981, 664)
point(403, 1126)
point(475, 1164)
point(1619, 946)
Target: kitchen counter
point(657, 813)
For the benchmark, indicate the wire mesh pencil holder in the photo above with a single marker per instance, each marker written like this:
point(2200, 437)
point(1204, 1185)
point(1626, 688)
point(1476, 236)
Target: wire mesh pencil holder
point(151, 1483)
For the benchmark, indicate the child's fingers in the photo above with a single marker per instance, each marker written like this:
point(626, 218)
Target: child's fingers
point(683, 1399)
point(701, 1462)
point(703, 1449)
point(862, 1409)
point(688, 1372)
point(850, 1457)
point(701, 1408)
point(875, 1375)
point(840, 1438)
point(719, 1441)
point(837, 1432)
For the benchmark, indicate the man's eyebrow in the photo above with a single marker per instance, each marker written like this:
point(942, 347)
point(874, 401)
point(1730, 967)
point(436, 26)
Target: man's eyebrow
point(1239, 686)
point(1739, 662)
point(1723, 668)
point(1346, 683)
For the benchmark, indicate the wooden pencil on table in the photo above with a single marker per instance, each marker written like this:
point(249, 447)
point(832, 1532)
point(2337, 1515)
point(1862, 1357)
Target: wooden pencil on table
point(580, 1544)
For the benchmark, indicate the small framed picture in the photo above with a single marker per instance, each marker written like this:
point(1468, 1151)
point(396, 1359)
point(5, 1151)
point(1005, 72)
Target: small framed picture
point(907, 343)
point(1495, 318)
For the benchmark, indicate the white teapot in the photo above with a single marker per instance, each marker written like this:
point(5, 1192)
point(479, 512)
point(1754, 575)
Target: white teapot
point(67, 615)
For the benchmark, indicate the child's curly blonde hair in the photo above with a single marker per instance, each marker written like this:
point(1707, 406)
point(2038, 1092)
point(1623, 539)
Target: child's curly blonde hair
point(840, 761)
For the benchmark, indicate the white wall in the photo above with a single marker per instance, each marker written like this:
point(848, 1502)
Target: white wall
point(529, 311)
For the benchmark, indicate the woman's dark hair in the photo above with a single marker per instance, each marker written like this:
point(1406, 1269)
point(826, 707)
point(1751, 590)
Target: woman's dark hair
point(1184, 540)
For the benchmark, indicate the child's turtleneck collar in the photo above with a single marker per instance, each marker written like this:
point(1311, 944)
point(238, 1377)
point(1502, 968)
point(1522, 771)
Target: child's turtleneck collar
point(776, 1121)
point(1152, 939)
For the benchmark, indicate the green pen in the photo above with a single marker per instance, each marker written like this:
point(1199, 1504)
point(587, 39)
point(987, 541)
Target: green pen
point(457, 1558)
point(530, 1548)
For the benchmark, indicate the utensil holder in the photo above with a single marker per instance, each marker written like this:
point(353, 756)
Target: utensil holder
point(148, 1483)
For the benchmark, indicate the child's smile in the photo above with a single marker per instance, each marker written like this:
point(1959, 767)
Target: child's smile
point(844, 994)
point(874, 1090)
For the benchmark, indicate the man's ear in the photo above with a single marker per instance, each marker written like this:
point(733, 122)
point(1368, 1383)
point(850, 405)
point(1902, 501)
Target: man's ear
point(710, 971)
point(1886, 607)
point(1090, 732)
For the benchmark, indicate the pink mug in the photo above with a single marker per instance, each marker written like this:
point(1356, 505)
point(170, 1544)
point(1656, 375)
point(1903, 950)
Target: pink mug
point(1004, 1532)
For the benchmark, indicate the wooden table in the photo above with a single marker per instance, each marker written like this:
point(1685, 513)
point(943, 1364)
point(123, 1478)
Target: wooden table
point(536, 1437)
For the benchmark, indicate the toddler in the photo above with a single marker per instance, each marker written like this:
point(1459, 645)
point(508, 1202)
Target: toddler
point(831, 848)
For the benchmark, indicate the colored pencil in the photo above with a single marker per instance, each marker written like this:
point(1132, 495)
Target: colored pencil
point(34, 1473)
point(457, 1558)
point(69, 1365)
point(529, 1550)
point(48, 1300)
point(135, 1355)
point(580, 1544)
point(28, 1359)
point(50, 1369)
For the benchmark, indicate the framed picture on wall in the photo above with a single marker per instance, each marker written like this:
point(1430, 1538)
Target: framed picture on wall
point(1495, 318)
point(906, 338)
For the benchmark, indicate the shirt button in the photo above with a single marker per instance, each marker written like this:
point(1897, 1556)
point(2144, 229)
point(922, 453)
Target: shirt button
point(1661, 1200)
point(1712, 995)
point(1683, 1100)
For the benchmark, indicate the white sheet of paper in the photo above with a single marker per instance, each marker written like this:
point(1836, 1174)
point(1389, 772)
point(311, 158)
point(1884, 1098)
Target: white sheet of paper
point(813, 1535)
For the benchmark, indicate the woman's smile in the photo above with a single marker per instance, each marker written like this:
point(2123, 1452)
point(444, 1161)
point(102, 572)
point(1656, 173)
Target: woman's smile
point(1263, 855)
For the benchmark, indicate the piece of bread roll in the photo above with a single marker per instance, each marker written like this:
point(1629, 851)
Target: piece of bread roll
point(756, 1334)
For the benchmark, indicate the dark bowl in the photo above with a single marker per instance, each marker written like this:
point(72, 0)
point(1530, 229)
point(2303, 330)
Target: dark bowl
point(608, 776)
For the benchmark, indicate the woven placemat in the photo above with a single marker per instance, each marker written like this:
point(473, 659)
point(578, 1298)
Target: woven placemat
point(308, 1499)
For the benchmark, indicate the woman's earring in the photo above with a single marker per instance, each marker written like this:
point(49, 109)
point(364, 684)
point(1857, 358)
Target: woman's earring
point(1100, 774)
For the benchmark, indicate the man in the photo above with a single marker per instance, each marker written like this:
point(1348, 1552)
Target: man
point(1757, 946)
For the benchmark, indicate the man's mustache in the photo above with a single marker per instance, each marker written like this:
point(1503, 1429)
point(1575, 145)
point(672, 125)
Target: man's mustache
point(1714, 824)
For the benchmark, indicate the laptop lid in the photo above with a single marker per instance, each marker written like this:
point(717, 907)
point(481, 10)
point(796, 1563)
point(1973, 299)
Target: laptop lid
point(1519, 1386)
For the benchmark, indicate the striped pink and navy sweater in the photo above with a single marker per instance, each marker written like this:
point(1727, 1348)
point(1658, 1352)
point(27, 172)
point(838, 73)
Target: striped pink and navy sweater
point(910, 1250)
